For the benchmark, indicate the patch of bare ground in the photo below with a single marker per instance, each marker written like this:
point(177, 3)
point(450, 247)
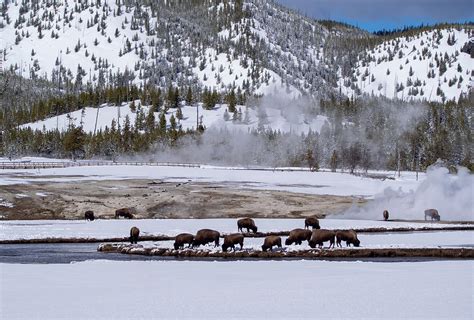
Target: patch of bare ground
point(446, 253)
point(157, 199)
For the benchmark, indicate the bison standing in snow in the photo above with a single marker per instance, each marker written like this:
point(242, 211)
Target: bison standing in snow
point(181, 239)
point(205, 236)
point(231, 240)
point(246, 223)
point(312, 222)
point(298, 236)
point(124, 212)
point(89, 215)
point(271, 241)
point(318, 237)
point(134, 233)
point(349, 236)
point(433, 214)
point(385, 215)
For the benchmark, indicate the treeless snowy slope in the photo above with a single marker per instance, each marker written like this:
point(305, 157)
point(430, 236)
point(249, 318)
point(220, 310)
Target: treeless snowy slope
point(237, 290)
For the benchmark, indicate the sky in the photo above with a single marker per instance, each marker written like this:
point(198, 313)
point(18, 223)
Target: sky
point(374, 15)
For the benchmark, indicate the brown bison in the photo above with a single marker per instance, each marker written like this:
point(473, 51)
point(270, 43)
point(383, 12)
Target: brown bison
point(385, 215)
point(134, 233)
point(271, 241)
point(89, 215)
point(298, 236)
point(124, 212)
point(205, 236)
point(231, 240)
point(318, 237)
point(349, 236)
point(246, 223)
point(312, 222)
point(433, 214)
point(181, 239)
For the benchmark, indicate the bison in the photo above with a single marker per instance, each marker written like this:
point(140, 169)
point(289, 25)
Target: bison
point(205, 236)
point(433, 214)
point(271, 241)
point(124, 212)
point(318, 237)
point(349, 236)
point(298, 236)
point(89, 215)
point(385, 215)
point(181, 239)
point(134, 233)
point(311, 222)
point(246, 223)
point(231, 240)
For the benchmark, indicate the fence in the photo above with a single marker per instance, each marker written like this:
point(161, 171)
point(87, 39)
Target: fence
point(67, 164)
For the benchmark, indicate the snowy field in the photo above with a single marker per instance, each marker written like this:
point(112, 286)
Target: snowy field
point(238, 289)
point(32, 229)
point(312, 183)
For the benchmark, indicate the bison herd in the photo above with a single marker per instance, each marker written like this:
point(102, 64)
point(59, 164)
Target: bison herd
point(314, 237)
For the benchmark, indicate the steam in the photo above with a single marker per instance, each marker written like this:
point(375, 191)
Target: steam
point(451, 195)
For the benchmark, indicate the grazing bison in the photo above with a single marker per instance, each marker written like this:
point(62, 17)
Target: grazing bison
point(349, 236)
point(298, 236)
point(311, 222)
point(318, 237)
point(134, 233)
point(205, 236)
point(385, 215)
point(246, 223)
point(231, 240)
point(124, 212)
point(89, 215)
point(271, 241)
point(433, 214)
point(181, 239)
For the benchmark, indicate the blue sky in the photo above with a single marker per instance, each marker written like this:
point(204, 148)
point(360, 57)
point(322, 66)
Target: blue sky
point(373, 15)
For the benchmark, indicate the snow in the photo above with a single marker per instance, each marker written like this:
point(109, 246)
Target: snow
point(100, 229)
point(338, 183)
point(276, 119)
point(385, 84)
point(237, 290)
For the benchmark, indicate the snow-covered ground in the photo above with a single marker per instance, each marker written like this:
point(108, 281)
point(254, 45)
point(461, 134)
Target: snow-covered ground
point(313, 183)
point(238, 290)
point(100, 229)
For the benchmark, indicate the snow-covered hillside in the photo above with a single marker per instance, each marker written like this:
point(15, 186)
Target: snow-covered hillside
point(429, 65)
point(283, 120)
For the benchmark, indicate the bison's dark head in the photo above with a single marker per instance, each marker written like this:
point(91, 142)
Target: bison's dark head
point(176, 246)
point(287, 242)
point(254, 229)
point(356, 243)
point(312, 244)
point(225, 247)
point(264, 248)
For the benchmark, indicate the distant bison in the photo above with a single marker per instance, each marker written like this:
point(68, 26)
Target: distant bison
point(205, 236)
point(246, 223)
point(231, 240)
point(433, 214)
point(183, 238)
point(134, 233)
point(271, 241)
point(312, 222)
point(124, 212)
point(385, 215)
point(349, 236)
point(318, 237)
point(89, 215)
point(298, 236)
